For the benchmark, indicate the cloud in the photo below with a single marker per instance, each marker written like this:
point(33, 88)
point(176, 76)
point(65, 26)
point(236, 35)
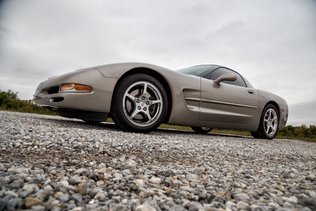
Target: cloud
point(303, 113)
point(272, 43)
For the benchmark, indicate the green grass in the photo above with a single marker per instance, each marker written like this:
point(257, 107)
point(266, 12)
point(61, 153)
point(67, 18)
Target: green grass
point(214, 131)
point(302, 132)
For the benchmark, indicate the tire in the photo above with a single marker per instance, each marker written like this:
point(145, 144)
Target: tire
point(269, 123)
point(140, 103)
point(201, 130)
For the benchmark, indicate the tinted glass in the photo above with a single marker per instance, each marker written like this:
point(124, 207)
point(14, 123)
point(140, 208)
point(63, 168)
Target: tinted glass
point(196, 70)
point(220, 71)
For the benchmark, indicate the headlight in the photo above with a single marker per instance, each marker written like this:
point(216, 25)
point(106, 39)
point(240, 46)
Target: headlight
point(72, 87)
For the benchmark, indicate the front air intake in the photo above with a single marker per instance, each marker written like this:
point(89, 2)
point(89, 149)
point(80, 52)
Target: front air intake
point(53, 90)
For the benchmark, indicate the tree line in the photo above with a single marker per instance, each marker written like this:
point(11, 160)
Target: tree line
point(302, 132)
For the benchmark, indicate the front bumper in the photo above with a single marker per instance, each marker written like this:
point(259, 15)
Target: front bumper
point(76, 101)
point(284, 116)
point(99, 100)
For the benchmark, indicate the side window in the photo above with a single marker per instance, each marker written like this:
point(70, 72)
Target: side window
point(220, 71)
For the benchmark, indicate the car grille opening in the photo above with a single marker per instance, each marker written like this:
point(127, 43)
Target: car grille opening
point(53, 90)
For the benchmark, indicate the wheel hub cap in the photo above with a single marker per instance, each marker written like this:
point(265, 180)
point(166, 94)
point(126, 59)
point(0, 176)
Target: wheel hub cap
point(142, 103)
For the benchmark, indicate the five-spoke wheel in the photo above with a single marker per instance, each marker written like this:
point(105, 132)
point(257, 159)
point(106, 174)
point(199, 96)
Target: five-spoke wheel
point(140, 103)
point(270, 122)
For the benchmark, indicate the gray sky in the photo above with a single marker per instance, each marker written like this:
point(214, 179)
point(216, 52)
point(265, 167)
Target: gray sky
point(272, 43)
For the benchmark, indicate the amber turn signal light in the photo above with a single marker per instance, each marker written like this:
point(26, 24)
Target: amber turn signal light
point(72, 87)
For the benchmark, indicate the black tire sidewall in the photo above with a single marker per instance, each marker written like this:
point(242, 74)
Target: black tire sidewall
point(200, 130)
point(118, 111)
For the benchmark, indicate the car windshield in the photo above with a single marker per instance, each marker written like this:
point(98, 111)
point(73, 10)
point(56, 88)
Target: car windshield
point(195, 70)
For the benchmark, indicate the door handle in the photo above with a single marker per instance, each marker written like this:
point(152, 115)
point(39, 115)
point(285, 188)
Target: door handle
point(250, 91)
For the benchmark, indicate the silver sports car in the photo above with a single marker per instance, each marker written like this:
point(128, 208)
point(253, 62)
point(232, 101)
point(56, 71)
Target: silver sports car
point(139, 97)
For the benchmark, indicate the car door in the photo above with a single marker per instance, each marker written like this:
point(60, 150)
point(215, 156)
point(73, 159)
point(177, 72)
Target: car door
point(229, 102)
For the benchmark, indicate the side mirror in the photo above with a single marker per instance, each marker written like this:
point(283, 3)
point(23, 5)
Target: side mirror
point(226, 77)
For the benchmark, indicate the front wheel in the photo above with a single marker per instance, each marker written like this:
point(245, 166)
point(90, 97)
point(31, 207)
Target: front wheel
point(269, 123)
point(201, 130)
point(140, 103)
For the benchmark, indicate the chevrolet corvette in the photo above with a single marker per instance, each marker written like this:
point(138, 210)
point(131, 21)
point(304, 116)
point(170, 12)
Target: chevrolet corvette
point(139, 97)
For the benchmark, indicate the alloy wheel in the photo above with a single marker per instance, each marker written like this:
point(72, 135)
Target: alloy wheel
point(270, 122)
point(142, 103)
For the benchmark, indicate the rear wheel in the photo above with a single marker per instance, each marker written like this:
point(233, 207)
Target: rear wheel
point(201, 130)
point(139, 104)
point(269, 123)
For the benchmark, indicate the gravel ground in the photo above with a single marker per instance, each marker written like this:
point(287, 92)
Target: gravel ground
point(52, 163)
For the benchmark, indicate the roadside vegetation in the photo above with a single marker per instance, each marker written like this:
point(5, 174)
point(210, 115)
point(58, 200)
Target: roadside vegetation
point(9, 101)
point(303, 132)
